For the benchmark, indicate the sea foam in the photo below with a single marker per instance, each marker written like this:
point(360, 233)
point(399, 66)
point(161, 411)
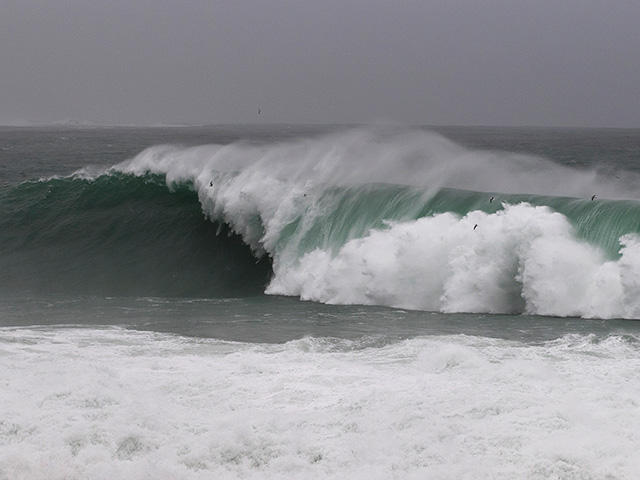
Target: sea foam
point(520, 259)
point(111, 403)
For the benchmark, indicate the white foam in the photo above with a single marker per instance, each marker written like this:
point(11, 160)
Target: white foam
point(520, 259)
point(118, 404)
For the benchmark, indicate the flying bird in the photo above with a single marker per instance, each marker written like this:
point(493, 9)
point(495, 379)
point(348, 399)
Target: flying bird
point(593, 197)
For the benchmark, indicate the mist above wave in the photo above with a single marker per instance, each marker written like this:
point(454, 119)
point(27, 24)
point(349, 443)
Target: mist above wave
point(407, 157)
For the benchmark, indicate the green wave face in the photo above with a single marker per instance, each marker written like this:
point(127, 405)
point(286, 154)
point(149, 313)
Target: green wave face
point(350, 213)
point(119, 235)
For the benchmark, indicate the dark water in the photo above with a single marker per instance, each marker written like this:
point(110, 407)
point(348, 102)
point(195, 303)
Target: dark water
point(272, 319)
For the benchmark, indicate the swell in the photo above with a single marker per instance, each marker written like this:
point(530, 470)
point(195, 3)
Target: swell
point(119, 234)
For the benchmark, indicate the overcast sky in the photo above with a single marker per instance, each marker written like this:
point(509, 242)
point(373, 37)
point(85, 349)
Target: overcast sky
point(423, 62)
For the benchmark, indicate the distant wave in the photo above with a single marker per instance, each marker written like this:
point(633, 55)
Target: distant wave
point(360, 217)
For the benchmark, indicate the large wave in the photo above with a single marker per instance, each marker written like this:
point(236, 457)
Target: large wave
point(404, 219)
point(119, 234)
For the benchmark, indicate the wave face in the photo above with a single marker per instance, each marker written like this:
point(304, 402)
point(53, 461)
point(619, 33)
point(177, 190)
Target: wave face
point(401, 219)
point(119, 234)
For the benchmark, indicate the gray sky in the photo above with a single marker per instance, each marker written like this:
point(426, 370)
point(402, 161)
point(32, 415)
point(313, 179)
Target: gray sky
point(425, 62)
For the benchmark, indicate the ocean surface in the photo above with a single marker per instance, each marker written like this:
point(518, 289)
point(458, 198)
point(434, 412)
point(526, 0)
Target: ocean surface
point(319, 302)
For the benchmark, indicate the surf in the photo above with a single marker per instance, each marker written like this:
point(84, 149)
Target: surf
point(395, 218)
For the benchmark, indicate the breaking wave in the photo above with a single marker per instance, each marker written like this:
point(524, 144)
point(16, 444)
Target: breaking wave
point(404, 219)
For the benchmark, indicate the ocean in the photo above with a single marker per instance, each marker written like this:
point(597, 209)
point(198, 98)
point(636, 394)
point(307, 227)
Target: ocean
point(319, 302)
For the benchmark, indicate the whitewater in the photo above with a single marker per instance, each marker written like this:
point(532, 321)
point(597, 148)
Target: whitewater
point(319, 302)
point(144, 405)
